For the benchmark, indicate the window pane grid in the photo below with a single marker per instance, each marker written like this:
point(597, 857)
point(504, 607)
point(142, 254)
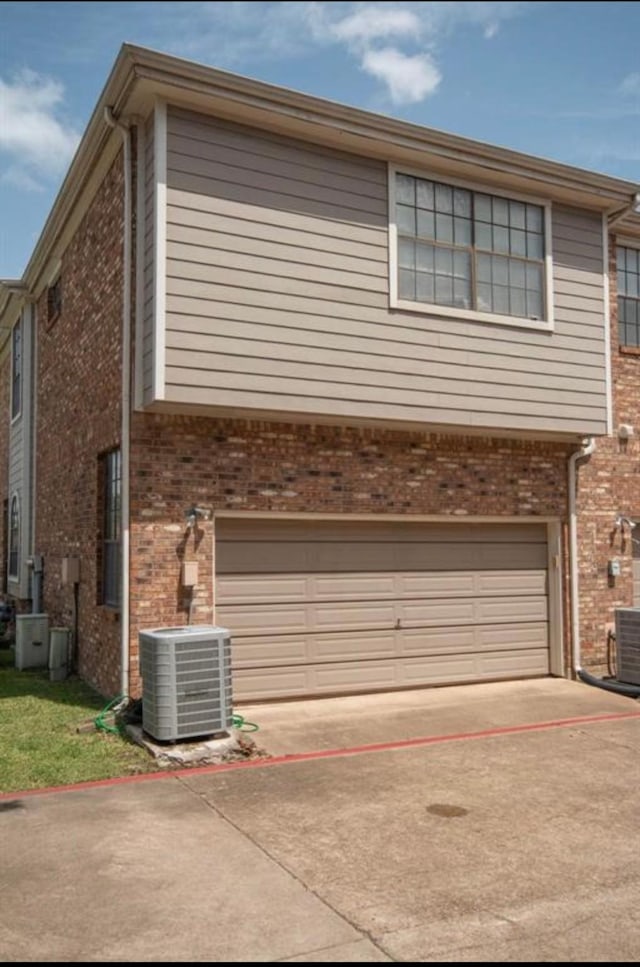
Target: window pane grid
point(112, 529)
point(628, 272)
point(461, 226)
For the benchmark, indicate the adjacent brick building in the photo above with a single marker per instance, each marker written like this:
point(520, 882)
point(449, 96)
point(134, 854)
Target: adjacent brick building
point(370, 474)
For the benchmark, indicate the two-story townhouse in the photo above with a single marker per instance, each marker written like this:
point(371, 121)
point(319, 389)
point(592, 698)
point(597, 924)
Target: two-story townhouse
point(341, 366)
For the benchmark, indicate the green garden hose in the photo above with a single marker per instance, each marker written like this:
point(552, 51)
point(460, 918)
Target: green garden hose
point(239, 723)
point(99, 720)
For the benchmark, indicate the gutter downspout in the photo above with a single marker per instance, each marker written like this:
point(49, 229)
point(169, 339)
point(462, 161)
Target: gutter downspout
point(125, 131)
point(586, 449)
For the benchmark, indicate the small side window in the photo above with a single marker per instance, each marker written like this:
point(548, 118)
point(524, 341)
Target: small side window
point(111, 473)
point(54, 301)
point(628, 265)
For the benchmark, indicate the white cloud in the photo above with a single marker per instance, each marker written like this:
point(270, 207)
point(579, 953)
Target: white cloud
point(33, 132)
point(631, 84)
point(372, 23)
point(409, 78)
point(240, 34)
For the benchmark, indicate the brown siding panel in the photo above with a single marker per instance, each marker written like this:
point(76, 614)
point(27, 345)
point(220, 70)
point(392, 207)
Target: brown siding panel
point(284, 246)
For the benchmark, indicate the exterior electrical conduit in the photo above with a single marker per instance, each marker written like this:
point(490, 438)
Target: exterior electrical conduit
point(126, 399)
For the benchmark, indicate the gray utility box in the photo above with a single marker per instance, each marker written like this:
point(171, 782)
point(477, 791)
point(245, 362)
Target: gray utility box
point(628, 645)
point(186, 681)
point(32, 641)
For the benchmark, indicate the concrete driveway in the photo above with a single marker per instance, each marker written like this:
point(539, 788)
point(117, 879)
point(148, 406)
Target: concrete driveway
point(489, 823)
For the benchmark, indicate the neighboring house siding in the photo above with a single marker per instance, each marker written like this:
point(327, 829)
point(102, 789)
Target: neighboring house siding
point(78, 419)
point(270, 467)
point(277, 299)
point(608, 484)
point(148, 173)
point(5, 417)
point(20, 462)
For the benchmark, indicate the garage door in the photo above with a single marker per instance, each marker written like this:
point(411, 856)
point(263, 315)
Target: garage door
point(335, 607)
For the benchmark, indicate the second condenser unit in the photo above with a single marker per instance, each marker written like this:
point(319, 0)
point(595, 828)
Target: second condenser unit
point(186, 681)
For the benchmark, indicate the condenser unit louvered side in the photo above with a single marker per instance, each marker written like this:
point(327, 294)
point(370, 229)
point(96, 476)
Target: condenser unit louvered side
point(186, 675)
point(628, 645)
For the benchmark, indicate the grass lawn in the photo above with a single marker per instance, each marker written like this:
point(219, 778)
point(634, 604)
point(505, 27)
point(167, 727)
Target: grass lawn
point(39, 744)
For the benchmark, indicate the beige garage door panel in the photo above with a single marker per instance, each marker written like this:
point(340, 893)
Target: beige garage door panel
point(263, 619)
point(287, 588)
point(251, 684)
point(310, 648)
point(322, 607)
point(297, 556)
point(461, 532)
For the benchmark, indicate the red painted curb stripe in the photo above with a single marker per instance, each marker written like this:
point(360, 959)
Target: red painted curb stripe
point(330, 753)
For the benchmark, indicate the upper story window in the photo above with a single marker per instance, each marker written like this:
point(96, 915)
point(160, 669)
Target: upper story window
point(628, 262)
point(468, 253)
point(54, 301)
point(111, 539)
point(16, 370)
point(14, 538)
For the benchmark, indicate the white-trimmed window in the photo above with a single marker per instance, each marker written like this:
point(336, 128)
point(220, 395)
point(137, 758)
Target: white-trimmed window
point(14, 538)
point(111, 530)
point(463, 252)
point(628, 265)
point(16, 370)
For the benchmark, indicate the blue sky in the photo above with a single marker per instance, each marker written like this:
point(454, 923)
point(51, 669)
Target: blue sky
point(560, 80)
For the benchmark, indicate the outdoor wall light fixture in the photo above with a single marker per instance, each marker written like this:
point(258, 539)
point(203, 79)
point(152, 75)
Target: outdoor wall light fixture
point(193, 513)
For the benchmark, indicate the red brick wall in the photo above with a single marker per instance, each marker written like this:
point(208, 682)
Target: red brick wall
point(608, 483)
point(178, 461)
point(78, 418)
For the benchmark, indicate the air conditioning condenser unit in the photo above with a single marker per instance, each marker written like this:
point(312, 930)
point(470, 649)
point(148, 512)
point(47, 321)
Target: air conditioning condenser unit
point(186, 681)
point(628, 645)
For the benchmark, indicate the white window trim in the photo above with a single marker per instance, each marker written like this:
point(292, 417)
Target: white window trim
point(14, 577)
point(470, 315)
point(14, 419)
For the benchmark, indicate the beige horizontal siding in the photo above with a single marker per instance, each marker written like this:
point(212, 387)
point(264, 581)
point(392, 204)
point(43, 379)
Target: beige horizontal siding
point(307, 326)
point(225, 397)
point(194, 298)
point(295, 380)
point(195, 244)
point(188, 209)
point(195, 127)
point(277, 299)
point(213, 160)
point(198, 262)
point(227, 331)
point(149, 264)
point(404, 375)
